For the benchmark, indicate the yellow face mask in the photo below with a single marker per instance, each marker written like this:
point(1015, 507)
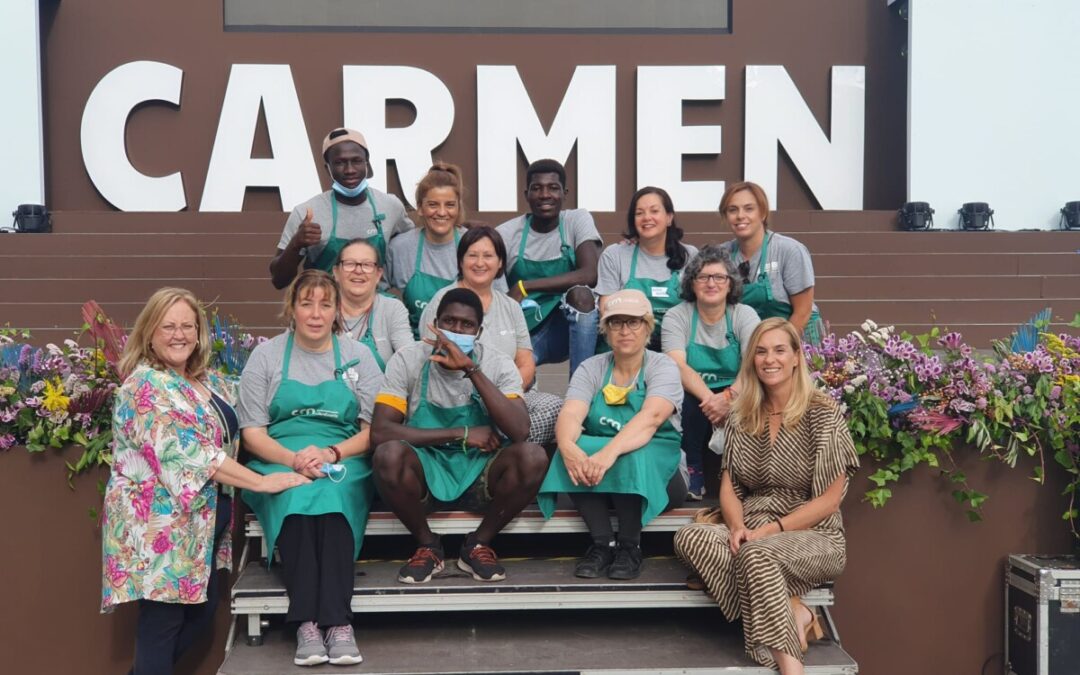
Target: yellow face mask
point(616, 395)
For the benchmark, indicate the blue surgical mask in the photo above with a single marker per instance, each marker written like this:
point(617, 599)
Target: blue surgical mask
point(350, 193)
point(528, 304)
point(465, 343)
point(335, 472)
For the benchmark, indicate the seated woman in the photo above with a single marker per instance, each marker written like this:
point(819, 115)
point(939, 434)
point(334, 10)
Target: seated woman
point(707, 335)
point(776, 271)
point(422, 260)
point(481, 259)
point(652, 261)
point(787, 461)
point(306, 398)
point(618, 437)
point(376, 320)
point(165, 527)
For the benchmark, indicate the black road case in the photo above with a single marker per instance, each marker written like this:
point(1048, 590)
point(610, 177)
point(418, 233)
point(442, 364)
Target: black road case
point(1042, 615)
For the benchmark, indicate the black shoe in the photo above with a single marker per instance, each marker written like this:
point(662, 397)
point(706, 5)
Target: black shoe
point(627, 563)
point(426, 562)
point(596, 561)
point(480, 561)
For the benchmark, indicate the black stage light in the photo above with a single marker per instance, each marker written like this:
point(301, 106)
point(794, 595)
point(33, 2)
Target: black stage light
point(976, 216)
point(914, 216)
point(31, 218)
point(1070, 216)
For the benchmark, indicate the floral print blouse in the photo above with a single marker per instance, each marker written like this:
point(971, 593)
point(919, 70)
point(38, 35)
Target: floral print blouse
point(157, 527)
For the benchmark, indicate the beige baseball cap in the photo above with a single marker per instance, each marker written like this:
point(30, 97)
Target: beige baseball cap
point(627, 302)
point(341, 135)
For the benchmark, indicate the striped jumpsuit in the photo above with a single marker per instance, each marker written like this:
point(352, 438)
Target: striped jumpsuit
point(772, 482)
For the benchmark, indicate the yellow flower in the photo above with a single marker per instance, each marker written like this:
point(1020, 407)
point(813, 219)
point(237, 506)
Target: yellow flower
point(54, 399)
point(7, 391)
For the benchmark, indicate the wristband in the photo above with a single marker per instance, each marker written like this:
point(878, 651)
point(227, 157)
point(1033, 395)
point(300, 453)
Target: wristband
point(465, 439)
point(780, 525)
point(468, 372)
point(521, 287)
point(337, 453)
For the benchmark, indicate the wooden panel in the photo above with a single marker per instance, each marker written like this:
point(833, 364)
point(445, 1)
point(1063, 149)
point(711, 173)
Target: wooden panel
point(905, 312)
point(85, 267)
point(138, 290)
point(141, 244)
point(97, 222)
point(967, 287)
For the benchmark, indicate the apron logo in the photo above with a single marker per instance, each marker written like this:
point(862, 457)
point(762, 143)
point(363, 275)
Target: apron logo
point(659, 291)
point(314, 412)
point(617, 426)
point(420, 304)
point(709, 377)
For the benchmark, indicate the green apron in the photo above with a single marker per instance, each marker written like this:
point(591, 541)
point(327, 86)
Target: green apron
point(662, 295)
point(334, 244)
point(303, 415)
point(644, 472)
point(759, 295)
point(422, 287)
point(718, 367)
point(368, 338)
point(448, 470)
point(525, 269)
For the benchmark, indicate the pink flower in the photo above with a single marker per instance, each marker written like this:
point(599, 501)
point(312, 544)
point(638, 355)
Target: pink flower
point(147, 452)
point(162, 543)
point(117, 577)
point(142, 499)
point(186, 497)
point(144, 399)
point(936, 422)
point(6, 441)
point(189, 590)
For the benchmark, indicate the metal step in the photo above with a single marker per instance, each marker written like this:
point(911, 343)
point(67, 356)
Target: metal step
point(531, 584)
point(594, 642)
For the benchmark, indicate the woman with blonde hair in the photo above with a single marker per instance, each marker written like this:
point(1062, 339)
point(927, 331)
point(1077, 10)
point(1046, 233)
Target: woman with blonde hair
point(788, 457)
point(165, 528)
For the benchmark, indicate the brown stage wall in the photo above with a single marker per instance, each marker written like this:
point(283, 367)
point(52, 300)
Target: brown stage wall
point(922, 593)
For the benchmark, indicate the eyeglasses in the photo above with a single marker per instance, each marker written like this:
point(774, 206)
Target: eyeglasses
point(633, 323)
point(365, 266)
point(744, 271)
point(715, 278)
point(184, 329)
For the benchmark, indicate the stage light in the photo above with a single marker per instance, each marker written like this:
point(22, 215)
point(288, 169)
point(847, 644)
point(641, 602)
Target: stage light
point(1070, 216)
point(914, 216)
point(31, 218)
point(976, 216)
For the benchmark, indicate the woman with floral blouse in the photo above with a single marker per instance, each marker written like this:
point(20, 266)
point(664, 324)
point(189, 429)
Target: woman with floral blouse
point(165, 528)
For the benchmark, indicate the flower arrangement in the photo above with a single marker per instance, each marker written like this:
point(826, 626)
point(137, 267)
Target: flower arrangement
point(914, 400)
point(55, 396)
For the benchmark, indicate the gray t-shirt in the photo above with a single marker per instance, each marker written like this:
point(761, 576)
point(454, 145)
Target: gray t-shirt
point(353, 221)
point(675, 332)
point(439, 260)
point(788, 265)
point(504, 323)
point(262, 376)
point(445, 388)
point(391, 329)
point(661, 379)
point(577, 223)
point(613, 270)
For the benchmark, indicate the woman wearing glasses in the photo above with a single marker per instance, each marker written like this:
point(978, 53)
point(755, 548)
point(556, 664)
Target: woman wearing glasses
point(618, 437)
point(653, 260)
point(776, 271)
point(707, 336)
point(422, 261)
point(377, 320)
point(481, 256)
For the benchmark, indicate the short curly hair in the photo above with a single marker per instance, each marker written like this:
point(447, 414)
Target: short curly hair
point(710, 255)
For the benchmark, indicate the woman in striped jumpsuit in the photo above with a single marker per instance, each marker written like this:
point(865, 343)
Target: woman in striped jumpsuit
point(787, 460)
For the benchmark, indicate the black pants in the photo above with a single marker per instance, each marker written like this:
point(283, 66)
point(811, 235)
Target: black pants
point(593, 507)
point(697, 430)
point(165, 630)
point(317, 565)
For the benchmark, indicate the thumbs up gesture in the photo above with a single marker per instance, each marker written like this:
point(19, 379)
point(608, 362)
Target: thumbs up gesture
point(309, 233)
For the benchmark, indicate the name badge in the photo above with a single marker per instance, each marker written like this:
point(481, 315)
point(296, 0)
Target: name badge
point(659, 291)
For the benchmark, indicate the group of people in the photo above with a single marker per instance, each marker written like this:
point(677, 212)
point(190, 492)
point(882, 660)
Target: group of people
point(408, 373)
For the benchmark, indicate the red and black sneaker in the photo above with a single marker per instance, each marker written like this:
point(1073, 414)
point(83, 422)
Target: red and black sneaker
point(480, 561)
point(427, 560)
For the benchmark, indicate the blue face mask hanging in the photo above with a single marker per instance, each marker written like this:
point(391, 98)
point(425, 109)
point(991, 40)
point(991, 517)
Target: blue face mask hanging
point(528, 304)
point(350, 193)
point(465, 343)
point(335, 472)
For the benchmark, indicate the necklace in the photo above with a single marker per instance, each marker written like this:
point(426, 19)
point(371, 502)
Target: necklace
point(351, 330)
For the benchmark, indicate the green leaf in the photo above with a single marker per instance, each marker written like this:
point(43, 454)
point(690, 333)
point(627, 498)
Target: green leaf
point(974, 517)
point(1075, 323)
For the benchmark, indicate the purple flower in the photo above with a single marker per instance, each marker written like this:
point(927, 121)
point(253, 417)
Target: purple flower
point(7, 441)
point(951, 340)
point(1055, 392)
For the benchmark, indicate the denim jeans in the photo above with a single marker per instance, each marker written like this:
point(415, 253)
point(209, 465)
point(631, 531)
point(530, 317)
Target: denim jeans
point(569, 333)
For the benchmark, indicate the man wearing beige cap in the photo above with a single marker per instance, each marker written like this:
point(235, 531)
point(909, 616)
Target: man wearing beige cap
point(318, 229)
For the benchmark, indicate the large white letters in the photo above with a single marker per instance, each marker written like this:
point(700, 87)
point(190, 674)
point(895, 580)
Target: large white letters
point(505, 117)
point(232, 169)
point(102, 135)
point(367, 90)
point(777, 113)
point(662, 140)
